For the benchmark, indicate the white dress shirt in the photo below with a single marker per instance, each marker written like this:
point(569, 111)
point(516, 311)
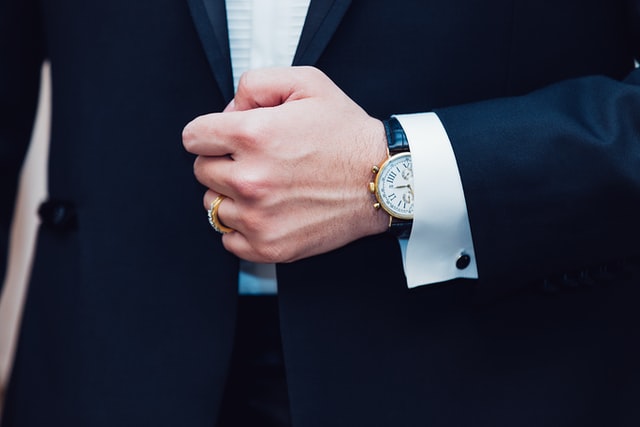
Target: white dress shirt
point(265, 33)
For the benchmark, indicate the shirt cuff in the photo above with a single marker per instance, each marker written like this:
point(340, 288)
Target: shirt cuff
point(440, 247)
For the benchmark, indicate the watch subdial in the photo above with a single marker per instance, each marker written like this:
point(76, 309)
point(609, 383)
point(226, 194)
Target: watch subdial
point(408, 197)
point(407, 174)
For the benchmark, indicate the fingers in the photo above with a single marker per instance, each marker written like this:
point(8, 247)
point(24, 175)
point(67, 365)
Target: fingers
point(212, 134)
point(209, 197)
point(267, 153)
point(220, 212)
point(221, 219)
point(263, 88)
point(236, 241)
point(215, 173)
point(221, 134)
point(271, 87)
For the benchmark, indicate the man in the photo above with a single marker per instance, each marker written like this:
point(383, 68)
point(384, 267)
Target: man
point(129, 320)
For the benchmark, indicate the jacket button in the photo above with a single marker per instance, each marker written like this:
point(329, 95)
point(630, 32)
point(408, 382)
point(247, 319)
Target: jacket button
point(463, 262)
point(58, 215)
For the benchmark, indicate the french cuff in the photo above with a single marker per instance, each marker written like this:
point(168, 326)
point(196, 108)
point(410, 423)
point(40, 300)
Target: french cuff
point(440, 247)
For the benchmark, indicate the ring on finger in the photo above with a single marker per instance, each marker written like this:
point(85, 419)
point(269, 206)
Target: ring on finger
point(213, 216)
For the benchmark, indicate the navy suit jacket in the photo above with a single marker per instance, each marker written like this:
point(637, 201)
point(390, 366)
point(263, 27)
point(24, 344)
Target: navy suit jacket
point(130, 313)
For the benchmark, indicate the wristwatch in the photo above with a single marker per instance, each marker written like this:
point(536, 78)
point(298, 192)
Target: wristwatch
point(393, 181)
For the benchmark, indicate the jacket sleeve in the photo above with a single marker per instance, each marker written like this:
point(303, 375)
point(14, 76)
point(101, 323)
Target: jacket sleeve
point(552, 178)
point(21, 56)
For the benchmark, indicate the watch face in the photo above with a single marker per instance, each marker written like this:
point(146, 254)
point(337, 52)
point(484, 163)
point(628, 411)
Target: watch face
point(394, 186)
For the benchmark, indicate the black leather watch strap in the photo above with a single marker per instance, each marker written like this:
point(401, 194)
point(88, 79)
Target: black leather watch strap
point(401, 228)
point(397, 143)
point(396, 138)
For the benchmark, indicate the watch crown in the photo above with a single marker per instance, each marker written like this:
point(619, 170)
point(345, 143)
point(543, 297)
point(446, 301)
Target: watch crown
point(372, 187)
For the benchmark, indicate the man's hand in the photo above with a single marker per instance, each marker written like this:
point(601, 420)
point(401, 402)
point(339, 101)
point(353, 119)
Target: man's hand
point(293, 155)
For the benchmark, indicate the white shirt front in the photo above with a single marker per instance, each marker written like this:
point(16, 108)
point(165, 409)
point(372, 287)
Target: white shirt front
point(265, 33)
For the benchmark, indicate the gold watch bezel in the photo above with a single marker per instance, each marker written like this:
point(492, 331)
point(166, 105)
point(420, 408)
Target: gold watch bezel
point(374, 186)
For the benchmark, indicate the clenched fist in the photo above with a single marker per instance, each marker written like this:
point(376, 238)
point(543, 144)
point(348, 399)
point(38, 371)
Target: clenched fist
point(292, 154)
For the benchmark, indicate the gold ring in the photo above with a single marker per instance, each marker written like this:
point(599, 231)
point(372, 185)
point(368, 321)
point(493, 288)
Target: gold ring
point(213, 216)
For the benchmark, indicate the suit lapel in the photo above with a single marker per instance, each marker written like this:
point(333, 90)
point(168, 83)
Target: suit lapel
point(322, 20)
point(210, 18)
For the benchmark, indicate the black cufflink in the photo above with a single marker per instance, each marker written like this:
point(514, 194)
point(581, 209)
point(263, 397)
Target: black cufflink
point(463, 261)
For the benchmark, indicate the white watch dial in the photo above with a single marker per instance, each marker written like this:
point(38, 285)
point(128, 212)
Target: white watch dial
point(394, 186)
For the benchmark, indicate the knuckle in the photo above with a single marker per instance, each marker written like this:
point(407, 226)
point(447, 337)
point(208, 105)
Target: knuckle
point(252, 131)
point(252, 185)
point(254, 224)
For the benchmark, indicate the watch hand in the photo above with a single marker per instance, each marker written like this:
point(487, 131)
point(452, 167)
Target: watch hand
point(405, 186)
